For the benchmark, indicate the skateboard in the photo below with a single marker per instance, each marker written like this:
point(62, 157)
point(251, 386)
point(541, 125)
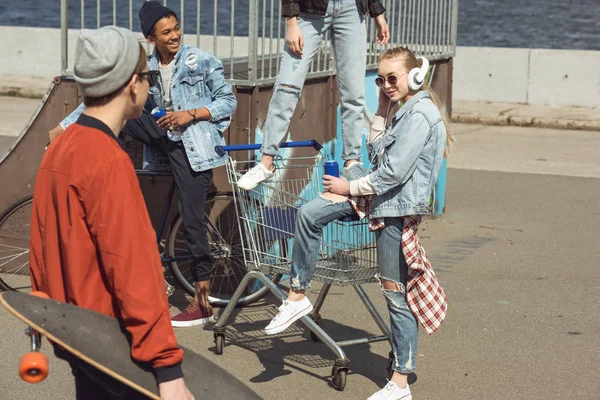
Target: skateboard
point(100, 341)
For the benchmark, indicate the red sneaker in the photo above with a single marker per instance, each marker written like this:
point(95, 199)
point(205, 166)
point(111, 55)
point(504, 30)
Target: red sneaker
point(192, 315)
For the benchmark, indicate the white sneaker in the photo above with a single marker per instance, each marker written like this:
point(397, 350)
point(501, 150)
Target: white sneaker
point(289, 312)
point(257, 174)
point(391, 391)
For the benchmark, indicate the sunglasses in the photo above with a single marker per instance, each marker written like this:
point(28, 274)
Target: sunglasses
point(150, 76)
point(391, 79)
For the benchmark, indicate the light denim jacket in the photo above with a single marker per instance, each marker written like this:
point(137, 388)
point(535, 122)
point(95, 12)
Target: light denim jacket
point(408, 158)
point(197, 82)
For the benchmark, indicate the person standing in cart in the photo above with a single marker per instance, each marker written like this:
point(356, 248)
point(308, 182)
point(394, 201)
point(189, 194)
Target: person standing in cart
point(307, 22)
point(406, 157)
point(199, 105)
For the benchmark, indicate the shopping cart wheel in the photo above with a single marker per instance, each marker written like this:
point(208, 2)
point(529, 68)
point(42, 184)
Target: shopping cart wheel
point(389, 369)
point(338, 374)
point(319, 322)
point(219, 343)
point(412, 377)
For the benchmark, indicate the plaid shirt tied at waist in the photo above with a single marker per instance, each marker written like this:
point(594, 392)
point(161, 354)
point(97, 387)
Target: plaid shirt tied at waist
point(424, 294)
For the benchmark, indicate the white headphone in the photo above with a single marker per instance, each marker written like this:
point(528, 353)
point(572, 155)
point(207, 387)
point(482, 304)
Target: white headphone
point(416, 76)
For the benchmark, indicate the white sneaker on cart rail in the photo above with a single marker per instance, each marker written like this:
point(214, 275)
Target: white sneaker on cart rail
point(257, 174)
point(289, 312)
point(391, 391)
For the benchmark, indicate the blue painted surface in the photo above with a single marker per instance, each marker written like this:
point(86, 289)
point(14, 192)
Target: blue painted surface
point(439, 204)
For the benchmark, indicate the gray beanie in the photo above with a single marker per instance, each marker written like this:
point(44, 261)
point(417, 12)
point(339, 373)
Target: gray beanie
point(105, 59)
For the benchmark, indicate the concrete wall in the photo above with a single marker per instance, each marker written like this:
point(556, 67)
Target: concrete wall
point(533, 76)
point(36, 52)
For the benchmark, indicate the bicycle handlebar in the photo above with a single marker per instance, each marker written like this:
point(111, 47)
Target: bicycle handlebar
point(222, 150)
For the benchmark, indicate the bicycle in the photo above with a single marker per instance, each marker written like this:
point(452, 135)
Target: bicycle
point(222, 229)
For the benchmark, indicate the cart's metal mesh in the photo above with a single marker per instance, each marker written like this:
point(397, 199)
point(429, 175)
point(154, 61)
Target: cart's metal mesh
point(267, 216)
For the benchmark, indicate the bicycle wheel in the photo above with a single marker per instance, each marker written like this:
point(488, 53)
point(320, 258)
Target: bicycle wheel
point(14, 246)
point(228, 266)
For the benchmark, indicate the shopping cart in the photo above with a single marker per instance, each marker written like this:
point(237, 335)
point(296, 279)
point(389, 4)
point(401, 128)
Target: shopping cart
point(267, 216)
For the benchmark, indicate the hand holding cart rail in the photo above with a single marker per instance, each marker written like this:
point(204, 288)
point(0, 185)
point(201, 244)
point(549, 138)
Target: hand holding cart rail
point(267, 216)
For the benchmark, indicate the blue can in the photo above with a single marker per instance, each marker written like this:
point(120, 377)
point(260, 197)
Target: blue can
point(332, 168)
point(158, 113)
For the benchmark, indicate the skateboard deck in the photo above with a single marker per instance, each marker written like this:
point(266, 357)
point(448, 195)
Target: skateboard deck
point(100, 341)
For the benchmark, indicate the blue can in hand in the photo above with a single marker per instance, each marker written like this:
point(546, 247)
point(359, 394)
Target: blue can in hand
point(158, 113)
point(332, 168)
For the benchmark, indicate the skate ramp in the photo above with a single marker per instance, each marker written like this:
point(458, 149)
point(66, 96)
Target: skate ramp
point(20, 163)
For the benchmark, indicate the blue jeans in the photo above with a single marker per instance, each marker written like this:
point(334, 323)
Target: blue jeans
point(392, 267)
point(312, 217)
point(310, 221)
point(347, 30)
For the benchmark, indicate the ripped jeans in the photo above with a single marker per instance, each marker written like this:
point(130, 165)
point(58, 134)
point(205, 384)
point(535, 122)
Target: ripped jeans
point(310, 221)
point(346, 27)
point(392, 267)
point(312, 217)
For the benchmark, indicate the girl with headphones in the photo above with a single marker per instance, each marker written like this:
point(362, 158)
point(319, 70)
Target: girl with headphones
point(406, 153)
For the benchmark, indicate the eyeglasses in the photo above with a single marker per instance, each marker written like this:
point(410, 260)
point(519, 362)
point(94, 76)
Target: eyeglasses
point(150, 76)
point(391, 79)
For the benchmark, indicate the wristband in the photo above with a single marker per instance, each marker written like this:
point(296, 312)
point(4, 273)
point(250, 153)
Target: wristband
point(192, 115)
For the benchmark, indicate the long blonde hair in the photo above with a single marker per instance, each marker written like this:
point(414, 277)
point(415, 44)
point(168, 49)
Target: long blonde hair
point(410, 62)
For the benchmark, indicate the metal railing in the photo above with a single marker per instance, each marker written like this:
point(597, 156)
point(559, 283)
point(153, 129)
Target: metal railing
point(249, 35)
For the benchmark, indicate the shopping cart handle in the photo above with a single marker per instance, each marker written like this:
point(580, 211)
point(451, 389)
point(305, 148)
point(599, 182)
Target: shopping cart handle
point(222, 150)
point(307, 143)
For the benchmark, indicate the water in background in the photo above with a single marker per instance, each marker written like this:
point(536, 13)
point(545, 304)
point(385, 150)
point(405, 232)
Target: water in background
point(556, 24)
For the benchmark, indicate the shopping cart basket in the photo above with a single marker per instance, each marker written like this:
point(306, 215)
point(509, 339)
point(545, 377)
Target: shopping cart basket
point(267, 216)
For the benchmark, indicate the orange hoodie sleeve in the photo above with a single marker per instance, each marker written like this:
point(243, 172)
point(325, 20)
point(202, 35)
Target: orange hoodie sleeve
point(121, 229)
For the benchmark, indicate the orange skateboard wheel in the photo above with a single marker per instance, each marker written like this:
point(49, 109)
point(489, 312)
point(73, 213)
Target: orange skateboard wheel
point(33, 367)
point(39, 294)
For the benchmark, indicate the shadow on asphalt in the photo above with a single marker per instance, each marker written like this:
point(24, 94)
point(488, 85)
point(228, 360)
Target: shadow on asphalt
point(294, 349)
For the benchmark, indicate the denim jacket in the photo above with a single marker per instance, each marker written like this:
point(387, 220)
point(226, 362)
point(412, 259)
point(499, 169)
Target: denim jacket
point(408, 158)
point(197, 82)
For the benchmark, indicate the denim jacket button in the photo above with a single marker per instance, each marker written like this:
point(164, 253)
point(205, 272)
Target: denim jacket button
point(192, 149)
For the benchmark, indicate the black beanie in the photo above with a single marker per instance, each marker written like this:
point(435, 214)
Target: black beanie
point(150, 13)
